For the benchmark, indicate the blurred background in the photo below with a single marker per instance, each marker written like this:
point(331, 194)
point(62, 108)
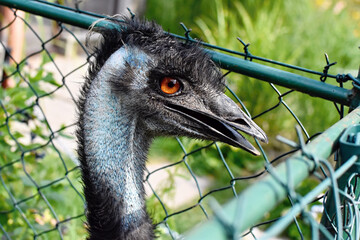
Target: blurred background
point(293, 32)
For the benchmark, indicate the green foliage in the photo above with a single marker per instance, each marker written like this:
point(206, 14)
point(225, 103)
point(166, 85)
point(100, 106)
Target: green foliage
point(283, 31)
point(170, 13)
point(32, 171)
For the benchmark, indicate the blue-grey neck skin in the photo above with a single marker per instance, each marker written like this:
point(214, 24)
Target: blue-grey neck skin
point(115, 149)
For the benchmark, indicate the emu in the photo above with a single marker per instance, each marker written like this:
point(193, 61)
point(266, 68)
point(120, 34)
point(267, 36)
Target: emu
point(141, 84)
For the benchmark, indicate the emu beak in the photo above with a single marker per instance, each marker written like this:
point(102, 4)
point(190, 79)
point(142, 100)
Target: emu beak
point(223, 122)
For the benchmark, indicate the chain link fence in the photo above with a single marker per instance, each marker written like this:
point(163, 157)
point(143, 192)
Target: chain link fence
point(41, 193)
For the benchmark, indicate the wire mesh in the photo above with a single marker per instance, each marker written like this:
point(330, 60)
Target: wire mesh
point(40, 190)
point(30, 141)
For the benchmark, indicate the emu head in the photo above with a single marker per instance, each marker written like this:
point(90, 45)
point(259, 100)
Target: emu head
point(172, 87)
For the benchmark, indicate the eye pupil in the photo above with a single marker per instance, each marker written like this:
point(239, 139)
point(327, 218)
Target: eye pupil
point(169, 85)
point(172, 83)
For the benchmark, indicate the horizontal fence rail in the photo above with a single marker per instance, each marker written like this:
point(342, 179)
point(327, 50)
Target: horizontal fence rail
point(283, 78)
point(235, 64)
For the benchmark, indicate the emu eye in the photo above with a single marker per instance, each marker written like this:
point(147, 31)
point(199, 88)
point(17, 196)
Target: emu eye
point(169, 85)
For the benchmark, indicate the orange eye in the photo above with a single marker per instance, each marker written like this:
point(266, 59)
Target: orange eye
point(169, 85)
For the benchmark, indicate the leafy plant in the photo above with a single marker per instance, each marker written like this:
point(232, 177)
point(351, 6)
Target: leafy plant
point(33, 172)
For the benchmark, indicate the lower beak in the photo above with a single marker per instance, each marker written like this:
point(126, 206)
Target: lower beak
point(223, 129)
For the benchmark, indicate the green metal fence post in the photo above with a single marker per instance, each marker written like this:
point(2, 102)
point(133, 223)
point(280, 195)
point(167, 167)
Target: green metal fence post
point(349, 146)
point(271, 190)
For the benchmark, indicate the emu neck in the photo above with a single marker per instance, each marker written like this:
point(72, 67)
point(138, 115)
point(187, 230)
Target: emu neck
point(115, 153)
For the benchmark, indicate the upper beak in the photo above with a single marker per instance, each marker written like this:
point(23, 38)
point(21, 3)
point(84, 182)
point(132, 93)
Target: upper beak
point(222, 122)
